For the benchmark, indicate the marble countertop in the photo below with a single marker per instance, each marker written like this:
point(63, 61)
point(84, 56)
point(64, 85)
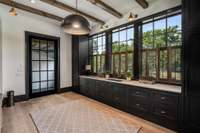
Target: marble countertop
point(156, 86)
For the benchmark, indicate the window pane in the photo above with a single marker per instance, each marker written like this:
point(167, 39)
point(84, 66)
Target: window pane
point(51, 45)
point(122, 35)
point(151, 63)
point(147, 38)
point(43, 75)
point(116, 65)
point(115, 47)
point(115, 37)
point(35, 55)
point(43, 55)
point(43, 86)
point(163, 64)
point(94, 64)
point(174, 22)
point(50, 55)
point(35, 87)
point(102, 63)
point(176, 64)
point(130, 62)
point(98, 64)
point(51, 75)
point(35, 76)
point(51, 85)
point(174, 37)
point(130, 34)
point(123, 64)
point(123, 46)
point(144, 64)
point(43, 65)
point(35, 44)
point(43, 45)
point(51, 65)
point(35, 65)
point(160, 33)
point(130, 46)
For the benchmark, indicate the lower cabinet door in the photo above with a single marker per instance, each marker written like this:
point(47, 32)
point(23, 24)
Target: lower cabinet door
point(118, 95)
point(83, 86)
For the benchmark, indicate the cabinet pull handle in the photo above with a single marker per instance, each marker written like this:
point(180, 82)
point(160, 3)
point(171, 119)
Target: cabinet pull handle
point(163, 98)
point(163, 112)
point(117, 98)
point(137, 92)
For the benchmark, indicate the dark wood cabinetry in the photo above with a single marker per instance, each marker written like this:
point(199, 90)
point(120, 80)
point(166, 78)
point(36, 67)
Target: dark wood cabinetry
point(156, 106)
point(191, 39)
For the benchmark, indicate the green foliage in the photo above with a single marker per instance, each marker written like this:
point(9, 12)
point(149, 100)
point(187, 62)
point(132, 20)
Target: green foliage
point(128, 74)
point(173, 37)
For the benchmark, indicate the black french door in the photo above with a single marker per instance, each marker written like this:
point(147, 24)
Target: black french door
point(43, 65)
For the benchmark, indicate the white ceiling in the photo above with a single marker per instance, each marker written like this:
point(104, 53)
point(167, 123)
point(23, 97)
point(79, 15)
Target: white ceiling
point(122, 6)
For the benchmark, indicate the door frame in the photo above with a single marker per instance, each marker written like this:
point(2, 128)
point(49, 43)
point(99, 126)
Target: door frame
point(28, 71)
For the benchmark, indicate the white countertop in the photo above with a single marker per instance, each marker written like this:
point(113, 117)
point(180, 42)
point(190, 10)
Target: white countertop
point(156, 86)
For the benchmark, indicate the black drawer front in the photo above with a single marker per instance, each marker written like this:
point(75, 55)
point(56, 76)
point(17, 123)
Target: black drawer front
point(139, 92)
point(165, 98)
point(118, 94)
point(103, 91)
point(138, 104)
point(169, 112)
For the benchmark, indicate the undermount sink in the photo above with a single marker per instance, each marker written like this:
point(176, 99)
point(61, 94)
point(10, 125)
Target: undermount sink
point(117, 80)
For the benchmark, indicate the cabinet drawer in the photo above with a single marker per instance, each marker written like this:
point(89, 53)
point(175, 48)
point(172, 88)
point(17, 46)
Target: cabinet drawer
point(138, 104)
point(169, 112)
point(140, 93)
point(165, 97)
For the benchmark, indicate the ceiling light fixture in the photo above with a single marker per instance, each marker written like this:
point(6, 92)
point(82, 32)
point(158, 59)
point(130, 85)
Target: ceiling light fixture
point(76, 24)
point(103, 27)
point(32, 1)
point(132, 17)
point(13, 12)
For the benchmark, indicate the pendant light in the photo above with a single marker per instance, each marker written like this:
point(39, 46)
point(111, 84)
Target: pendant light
point(13, 12)
point(76, 24)
point(32, 1)
point(131, 17)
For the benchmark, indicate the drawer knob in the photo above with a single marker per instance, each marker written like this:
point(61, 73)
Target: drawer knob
point(137, 104)
point(163, 98)
point(116, 98)
point(137, 92)
point(163, 112)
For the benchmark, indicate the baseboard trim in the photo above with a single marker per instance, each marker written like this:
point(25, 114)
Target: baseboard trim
point(65, 89)
point(19, 98)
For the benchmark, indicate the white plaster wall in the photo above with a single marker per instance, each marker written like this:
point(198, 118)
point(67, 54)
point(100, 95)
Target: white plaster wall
point(13, 47)
point(155, 6)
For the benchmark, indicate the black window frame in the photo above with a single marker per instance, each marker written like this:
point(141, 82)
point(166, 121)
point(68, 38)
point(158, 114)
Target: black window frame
point(120, 53)
point(169, 49)
point(137, 42)
point(93, 55)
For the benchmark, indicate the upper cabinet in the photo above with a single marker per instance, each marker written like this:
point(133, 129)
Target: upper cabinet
point(191, 39)
point(192, 13)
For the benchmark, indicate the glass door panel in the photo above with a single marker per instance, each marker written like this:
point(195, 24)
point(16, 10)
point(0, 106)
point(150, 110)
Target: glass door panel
point(43, 66)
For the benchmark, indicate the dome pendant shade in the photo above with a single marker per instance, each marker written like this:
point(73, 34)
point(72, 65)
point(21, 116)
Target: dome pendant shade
point(76, 25)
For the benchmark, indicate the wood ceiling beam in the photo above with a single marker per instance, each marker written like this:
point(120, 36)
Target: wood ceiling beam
point(143, 3)
point(106, 7)
point(30, 9)
point(73, 10)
